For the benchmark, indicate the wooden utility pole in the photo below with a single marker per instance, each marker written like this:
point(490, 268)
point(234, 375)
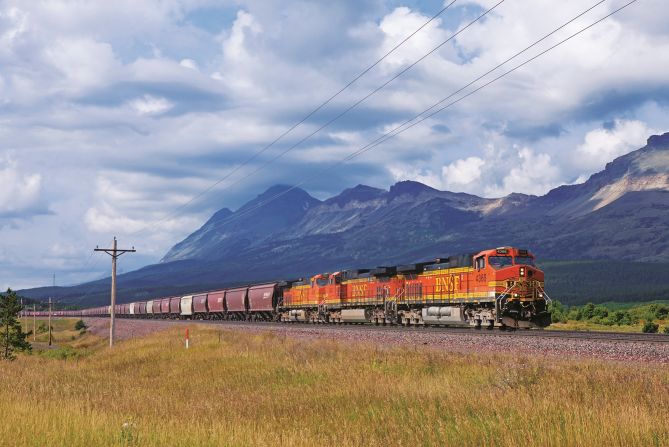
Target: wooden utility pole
point(49, 321)
point(54, 288)
point(114, 253)
point(34, 323)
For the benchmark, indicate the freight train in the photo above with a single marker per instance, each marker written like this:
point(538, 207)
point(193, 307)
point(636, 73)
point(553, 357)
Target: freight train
point(500, 287)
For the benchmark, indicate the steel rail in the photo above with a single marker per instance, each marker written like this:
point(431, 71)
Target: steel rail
point(540, 333)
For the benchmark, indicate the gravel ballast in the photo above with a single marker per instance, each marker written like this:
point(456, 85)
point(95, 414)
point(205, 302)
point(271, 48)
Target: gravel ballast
point(637, 351)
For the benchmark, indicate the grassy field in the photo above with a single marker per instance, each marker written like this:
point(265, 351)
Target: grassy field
point(572, 325)
point(238, 389)
point(66, 340)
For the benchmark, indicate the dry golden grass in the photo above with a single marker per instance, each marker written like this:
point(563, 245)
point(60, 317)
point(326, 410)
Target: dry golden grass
point(237, 389)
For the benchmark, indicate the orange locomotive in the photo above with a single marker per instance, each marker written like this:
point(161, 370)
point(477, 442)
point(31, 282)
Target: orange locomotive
point(498, 287)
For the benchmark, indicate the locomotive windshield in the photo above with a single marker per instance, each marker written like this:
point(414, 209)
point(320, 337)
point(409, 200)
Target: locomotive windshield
point(497, 262)
point(524, 260)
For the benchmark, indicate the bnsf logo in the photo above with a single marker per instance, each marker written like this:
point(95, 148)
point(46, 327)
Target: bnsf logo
point(447, 284)
point(359, 290)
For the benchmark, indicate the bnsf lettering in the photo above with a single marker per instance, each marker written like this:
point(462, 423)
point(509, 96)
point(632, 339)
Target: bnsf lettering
point(447, 284)
point(359, 290)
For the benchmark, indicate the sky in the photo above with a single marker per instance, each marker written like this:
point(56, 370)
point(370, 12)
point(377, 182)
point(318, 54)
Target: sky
point(114, 115)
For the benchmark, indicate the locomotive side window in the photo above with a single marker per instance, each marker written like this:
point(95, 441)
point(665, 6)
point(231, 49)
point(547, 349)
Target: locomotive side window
point(480, 263)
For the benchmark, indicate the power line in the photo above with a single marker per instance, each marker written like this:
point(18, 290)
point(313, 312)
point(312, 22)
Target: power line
point(294, 126)
point(306, 117)
point(406, 125)
point(363, 99)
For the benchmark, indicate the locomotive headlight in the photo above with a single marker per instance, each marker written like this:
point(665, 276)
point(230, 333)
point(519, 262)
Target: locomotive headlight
point(522, 271)
point(541, 295)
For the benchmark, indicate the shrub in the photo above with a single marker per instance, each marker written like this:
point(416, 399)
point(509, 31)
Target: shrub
point(601, 311)
point(588, 311)
point(666, 330)
point(608, 321)
point(574, 314)
point(80, 325)
point(557, 311)
point(649, 327)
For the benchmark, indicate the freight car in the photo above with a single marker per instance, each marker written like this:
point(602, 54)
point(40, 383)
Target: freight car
point(500, 287)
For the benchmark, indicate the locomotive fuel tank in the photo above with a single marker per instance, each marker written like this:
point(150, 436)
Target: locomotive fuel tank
point(444, 314)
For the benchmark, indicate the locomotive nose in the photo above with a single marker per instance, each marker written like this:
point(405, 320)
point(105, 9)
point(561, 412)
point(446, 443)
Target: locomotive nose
point(526, 271)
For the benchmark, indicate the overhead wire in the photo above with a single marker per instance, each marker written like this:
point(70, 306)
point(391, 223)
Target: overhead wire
point(406, 125)
point(298, 123)
point(306, 117)
point(419, 118)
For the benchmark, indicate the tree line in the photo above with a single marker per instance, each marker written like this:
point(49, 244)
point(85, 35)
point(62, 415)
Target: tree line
point(612, 314)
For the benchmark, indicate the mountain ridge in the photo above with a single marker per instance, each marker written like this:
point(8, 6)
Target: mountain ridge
point(619, 214)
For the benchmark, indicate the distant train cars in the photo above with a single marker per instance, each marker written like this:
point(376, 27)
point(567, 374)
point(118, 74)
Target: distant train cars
point(499, 287)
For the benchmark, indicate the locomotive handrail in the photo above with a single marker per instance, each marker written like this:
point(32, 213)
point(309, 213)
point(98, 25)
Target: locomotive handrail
point(547, 298)
point(498, 301)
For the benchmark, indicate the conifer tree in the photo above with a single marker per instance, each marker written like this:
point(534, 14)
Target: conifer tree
point(12, 337)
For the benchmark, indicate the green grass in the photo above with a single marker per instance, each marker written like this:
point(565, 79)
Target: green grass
point(240, 389)
point(67, 342)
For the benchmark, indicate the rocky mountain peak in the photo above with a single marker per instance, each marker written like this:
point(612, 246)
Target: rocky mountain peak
point(409, 187)
point(279, 195)
point(658, 141)
point(359, 193)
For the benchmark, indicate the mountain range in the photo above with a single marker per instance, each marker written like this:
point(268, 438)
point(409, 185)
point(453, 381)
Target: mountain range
point(620, 214)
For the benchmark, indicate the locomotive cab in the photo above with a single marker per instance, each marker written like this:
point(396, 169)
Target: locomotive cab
point(518, 285)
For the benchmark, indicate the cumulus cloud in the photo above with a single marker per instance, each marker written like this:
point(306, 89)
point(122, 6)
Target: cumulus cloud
point(20, 194)
point(189, 63)
point(84, 62)
point(604, 144)
point(463, 172)
point(533, 173)
point(150, 105)
point(395, 26)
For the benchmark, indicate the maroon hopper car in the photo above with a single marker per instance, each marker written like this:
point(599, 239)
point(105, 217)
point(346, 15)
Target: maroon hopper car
point(200, 303)
point(175, 306)
point(165, 306)
point(216, 301)
point(235, 299)
point(262, 300)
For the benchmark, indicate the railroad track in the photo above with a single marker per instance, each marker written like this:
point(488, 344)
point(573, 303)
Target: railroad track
point(580, 335)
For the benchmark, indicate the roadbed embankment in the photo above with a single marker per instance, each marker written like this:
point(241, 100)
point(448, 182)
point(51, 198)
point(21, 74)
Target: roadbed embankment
point(462, 341)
